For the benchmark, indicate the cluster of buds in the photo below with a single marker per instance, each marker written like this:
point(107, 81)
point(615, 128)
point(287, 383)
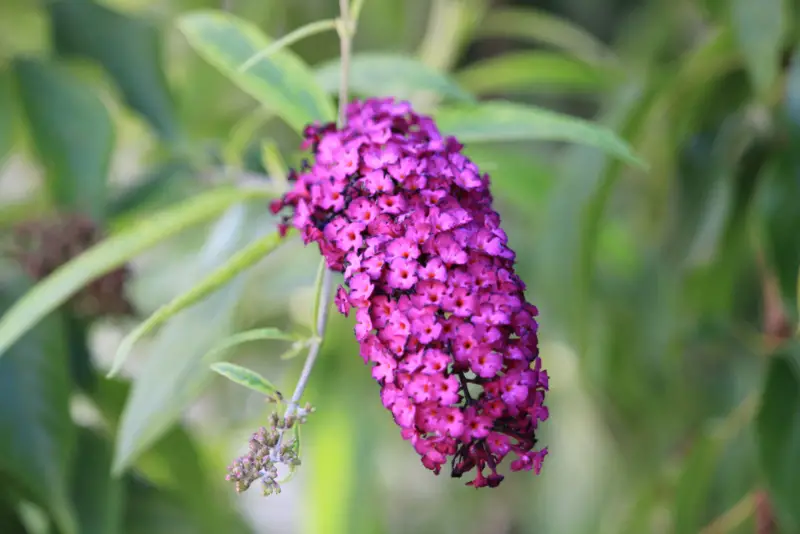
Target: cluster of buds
point(440, 313)
point(42, 246)
point(268, 449)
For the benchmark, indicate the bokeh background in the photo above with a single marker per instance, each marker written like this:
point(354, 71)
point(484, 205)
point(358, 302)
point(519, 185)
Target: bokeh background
point(663, 293)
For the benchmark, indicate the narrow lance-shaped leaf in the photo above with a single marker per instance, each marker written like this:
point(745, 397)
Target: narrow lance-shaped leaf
point(109, 254)
point(506, 121)
point(258, 334)
point(274, 164)
point(778, 428)
point(72, 133)
point(247, 378)
point(389, 74)
point(281, 81)
point(534, 71)
point(241, 261)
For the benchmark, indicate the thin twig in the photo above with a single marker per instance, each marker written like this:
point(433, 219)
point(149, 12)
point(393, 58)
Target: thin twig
point(346, 29)
point(289, 39)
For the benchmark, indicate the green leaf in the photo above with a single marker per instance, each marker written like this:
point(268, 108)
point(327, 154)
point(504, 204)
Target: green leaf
point(543, 27)
point(778, 430)
point(39, 437)
point(6, 113)
point(246, 377)
point(507, 121)
point(258, 334)
point(318, 293)
point(153, 182)
point(98, 497)
point(300, 33)
point(72, 133)
point(242, 260)
point(534, 71)
point(281, 82)
point(176, 372)
point(54, 290)
point(375, 74)
point(129, 49)
point(274, 164)
point(759, 28)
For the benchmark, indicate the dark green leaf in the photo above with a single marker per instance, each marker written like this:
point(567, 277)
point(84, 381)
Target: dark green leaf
point(778, 427)
point(245, 377)
point(148, 187)
point(505, 121)
point(6, 113)
point(760, 28)
point(72, 132)
point(375, 74)
point(39, 437)
point(533, 71)
point(98, 498)
point(281, 82)
point(129, 48)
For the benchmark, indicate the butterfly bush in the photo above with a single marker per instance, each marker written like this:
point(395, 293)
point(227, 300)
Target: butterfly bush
point(440, 313)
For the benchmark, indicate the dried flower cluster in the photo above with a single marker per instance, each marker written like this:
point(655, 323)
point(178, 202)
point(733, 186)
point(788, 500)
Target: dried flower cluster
point(440, 313)
point(267, 450)
point(42, 246)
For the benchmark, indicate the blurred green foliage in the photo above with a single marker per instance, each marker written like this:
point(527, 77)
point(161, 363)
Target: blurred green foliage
point(668, 292)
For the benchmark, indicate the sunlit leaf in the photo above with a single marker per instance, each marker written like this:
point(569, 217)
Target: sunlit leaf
point(72, 132)
point(239, 262)
point(374, 74)
point(128, 47)
point(534, 71)
point(109, 254)
point(281, 82)
point(245, 377)
point(778, 427)
point(546, 28)
point(39, 436)
point(759, 28)
point(505, 121)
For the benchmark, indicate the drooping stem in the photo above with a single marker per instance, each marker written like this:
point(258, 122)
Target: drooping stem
point(346, 28)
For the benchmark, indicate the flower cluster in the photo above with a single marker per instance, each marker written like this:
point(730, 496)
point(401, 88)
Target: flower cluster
point(268, 449)
point(440, 313)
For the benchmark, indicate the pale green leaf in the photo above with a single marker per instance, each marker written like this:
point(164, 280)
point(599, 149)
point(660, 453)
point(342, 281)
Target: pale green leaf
point(533, 71)
point(258, 334)
point(295, 350)
point(545, 28)
point(274, 164)
point(375, 74)
point(318, 291)
point(246, 377)
point(760, 26)
point(242, 260)
point(109, 254)
point(507, 121)
point(300, 33)
point(281, 82)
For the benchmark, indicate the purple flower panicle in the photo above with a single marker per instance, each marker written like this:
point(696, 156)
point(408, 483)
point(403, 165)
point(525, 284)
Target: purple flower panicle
point(440, 313)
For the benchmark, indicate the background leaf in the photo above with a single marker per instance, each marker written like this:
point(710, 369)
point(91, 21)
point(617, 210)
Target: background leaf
point(72, 133)
point(39, 438)
point(535, 72)
point(546, 28)
point(281, 82)
point(129, 48)
point(98, 498)
point(759, 28)
point(6, 113)
point(505, 121)
point(111, 253)
point(374, 74)
point(778, 427)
